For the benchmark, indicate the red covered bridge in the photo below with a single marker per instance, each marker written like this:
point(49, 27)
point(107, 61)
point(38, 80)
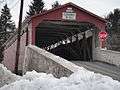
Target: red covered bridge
point(68, 31)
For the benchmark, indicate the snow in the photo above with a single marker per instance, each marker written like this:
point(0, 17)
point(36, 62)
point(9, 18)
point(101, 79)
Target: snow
point(6, 76)
point(80, 80)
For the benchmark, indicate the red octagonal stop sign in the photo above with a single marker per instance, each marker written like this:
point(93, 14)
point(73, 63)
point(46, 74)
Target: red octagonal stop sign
point(103, 35)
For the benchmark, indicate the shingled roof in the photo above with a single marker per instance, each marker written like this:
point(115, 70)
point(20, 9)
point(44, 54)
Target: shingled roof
point(70, 4)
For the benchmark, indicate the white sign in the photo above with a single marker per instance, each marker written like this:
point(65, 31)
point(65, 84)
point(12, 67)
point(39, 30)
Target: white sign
point(69, 14)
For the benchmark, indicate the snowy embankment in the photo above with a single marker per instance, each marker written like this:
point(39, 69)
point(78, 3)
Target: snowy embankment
point(7, 76)
point(80, 80)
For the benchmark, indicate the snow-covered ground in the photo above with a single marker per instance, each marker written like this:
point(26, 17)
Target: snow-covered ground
point(80, 80)
point(7, 76)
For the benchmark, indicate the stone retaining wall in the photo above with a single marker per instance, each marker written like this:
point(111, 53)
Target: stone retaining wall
point(42, 61)
point(109, 56)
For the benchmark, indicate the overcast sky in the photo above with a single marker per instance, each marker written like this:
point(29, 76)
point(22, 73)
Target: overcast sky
point(99, 7)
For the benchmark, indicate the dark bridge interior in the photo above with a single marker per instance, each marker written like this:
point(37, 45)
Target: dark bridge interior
point(57, 38)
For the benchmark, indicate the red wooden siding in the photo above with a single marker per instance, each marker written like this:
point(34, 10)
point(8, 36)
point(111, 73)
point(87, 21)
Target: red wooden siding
point(55, 14)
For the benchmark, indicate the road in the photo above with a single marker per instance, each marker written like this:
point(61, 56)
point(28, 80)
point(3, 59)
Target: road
point(100, 67)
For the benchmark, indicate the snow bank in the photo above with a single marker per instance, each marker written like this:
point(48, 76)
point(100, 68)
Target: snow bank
point(6, 76)
point(80, 80)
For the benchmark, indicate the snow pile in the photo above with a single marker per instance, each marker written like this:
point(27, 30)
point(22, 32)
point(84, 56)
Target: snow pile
point(80, 80)
point(6, 76)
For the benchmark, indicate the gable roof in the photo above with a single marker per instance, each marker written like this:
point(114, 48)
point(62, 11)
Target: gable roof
point(71, 4)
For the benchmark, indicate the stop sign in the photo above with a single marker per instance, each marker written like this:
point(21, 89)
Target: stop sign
point(102, 35)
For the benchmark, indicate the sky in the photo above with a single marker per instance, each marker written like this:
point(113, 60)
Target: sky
point(98, 7)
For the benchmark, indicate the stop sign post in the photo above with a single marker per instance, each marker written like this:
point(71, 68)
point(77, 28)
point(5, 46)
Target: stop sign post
point(102, 37)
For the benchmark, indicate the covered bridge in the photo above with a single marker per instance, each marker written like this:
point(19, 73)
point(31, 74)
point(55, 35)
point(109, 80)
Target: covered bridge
point(68, 31)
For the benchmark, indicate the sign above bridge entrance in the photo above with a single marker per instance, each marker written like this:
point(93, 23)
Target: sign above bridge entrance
point(69, 14)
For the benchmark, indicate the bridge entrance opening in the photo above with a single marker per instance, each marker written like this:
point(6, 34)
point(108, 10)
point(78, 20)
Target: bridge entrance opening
point(68, 39)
